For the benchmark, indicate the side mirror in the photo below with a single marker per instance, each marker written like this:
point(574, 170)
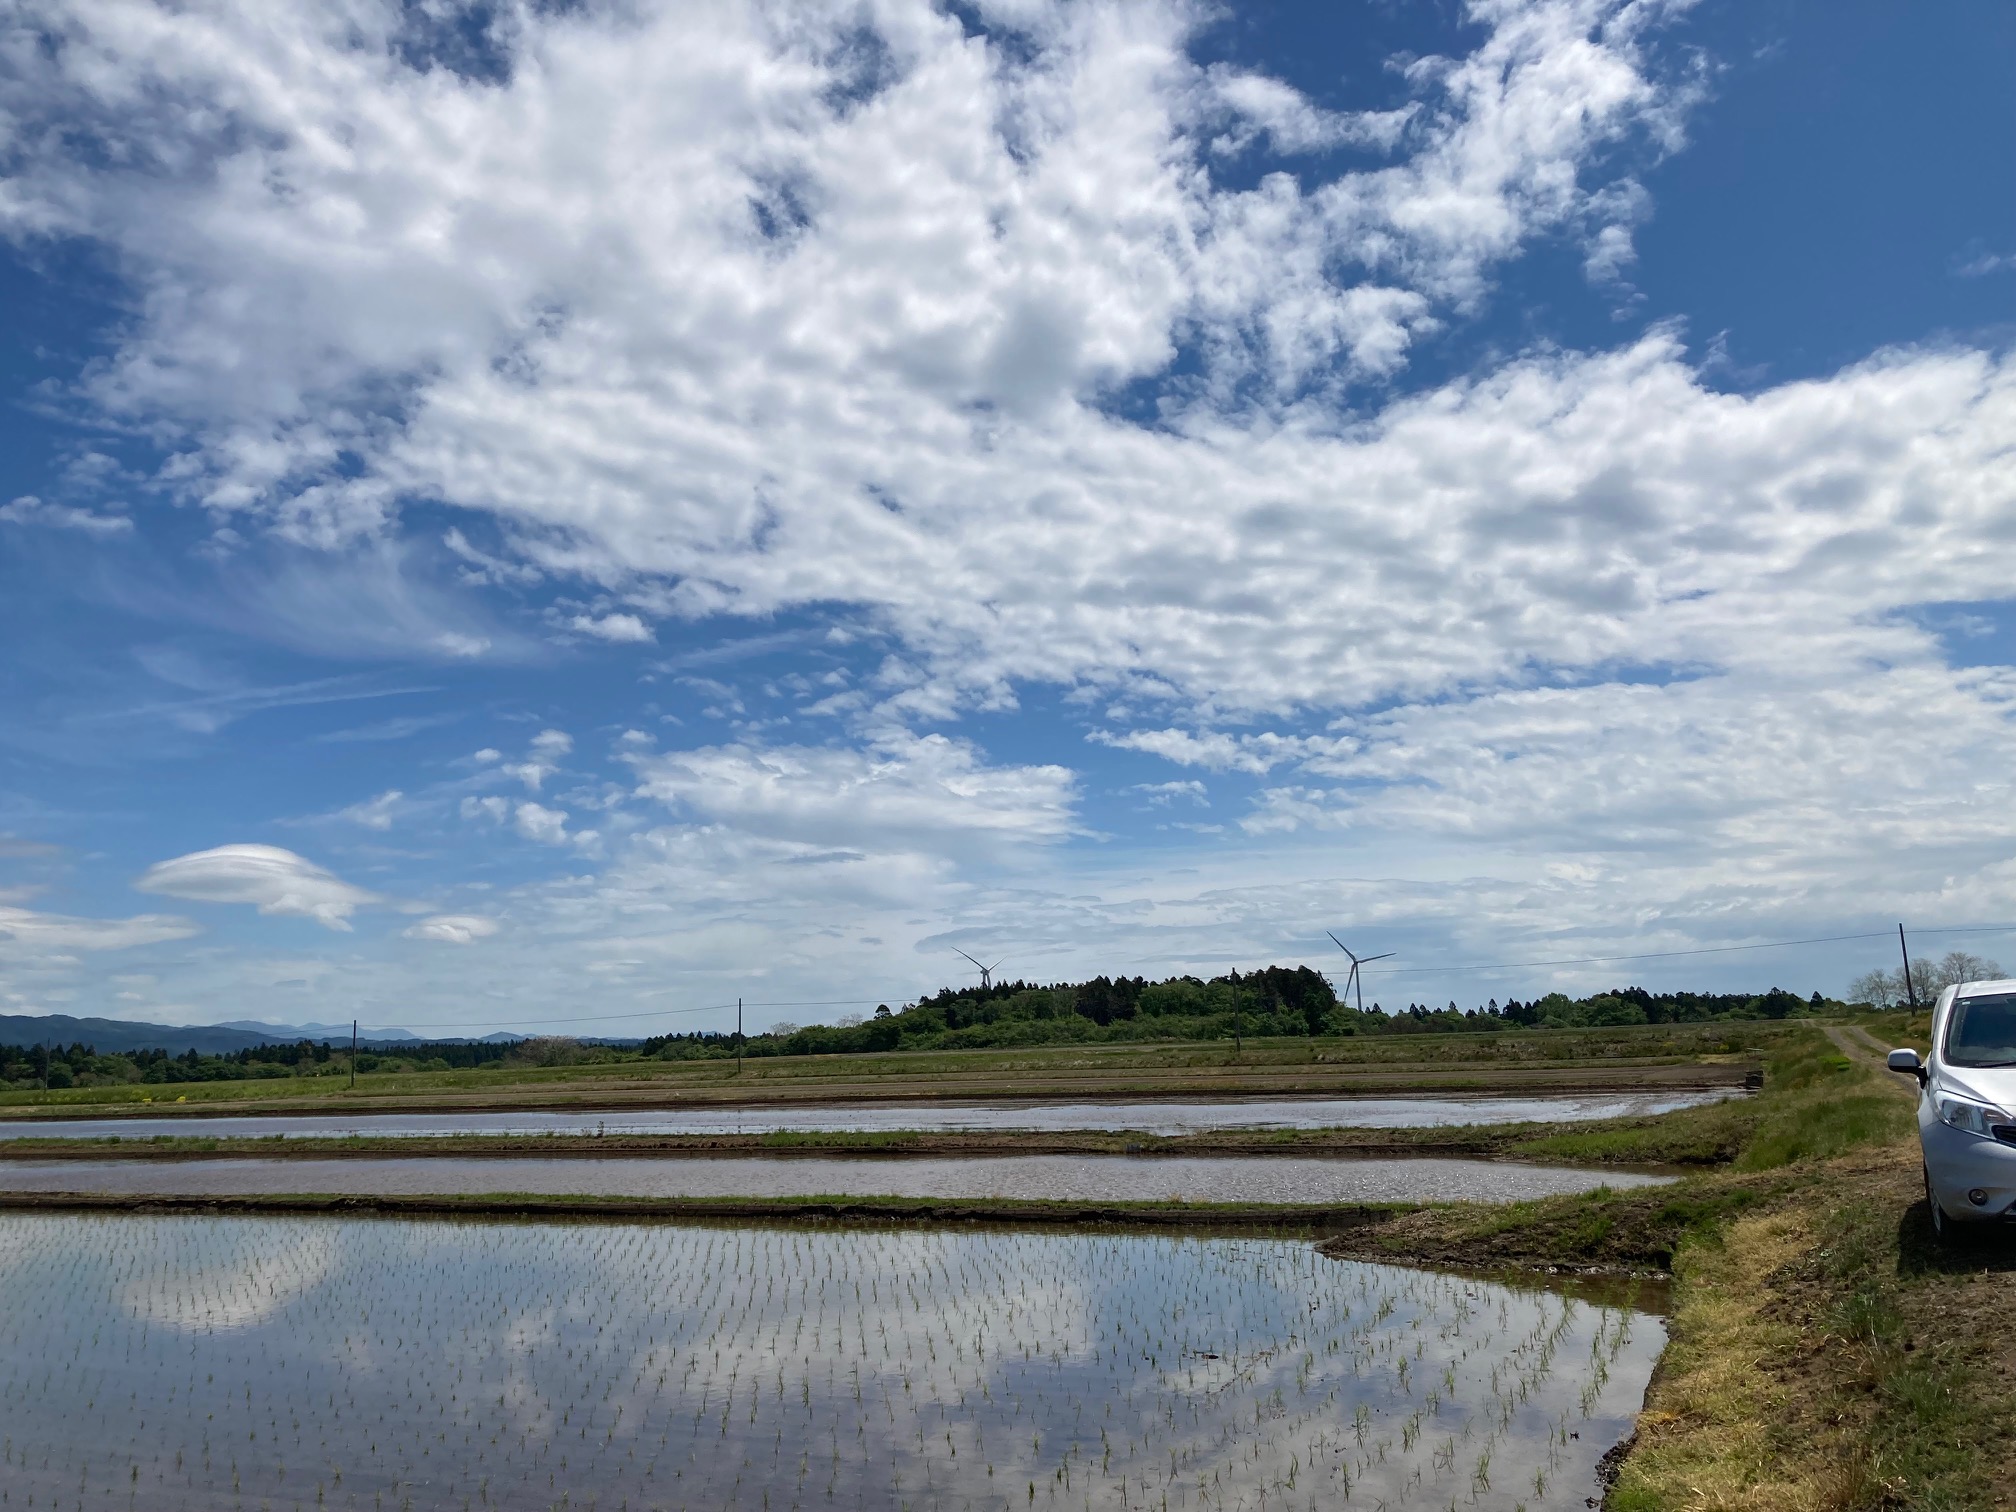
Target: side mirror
point(1907, 1062)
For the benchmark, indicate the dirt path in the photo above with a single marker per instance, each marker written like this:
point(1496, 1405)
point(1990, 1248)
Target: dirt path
point(1858, 1044)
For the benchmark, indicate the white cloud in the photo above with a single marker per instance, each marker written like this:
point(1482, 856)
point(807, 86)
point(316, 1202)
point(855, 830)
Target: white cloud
point(273, 880)
point(1163, 794)
point(29, 510)
point(904, 790)
point(319, 211)
point(1291, 122)
point(620, 628)
point(548, 747)
point(537, 822)
point(1214, 750)
point(47, 931)
point(649, 390)
point(374, 813)
point(1440, 627)
point(452, 929)
point(1980, 265)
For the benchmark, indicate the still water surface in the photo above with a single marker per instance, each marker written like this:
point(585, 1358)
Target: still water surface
point(294, 1363)
point(1145, 1117)
point(1089, 1178)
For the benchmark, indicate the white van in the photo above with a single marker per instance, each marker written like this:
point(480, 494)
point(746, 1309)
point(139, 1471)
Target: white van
point(1967, 1091)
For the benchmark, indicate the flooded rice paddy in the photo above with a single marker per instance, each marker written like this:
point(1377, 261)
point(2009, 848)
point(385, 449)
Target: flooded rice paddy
point(1143, 1117)
point(1085, 1178)
point(304, 1363)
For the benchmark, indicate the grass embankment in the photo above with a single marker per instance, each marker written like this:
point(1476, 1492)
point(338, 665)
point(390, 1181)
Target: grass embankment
point(1525, 1141)
point(1630, 1058)
point(1825, 1353)
point(1190, 1217)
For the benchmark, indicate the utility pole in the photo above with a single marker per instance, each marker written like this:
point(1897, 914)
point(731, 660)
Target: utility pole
point(353, 1053)
point(1238, 1024)
point(738, 1036)
point(1910, 987)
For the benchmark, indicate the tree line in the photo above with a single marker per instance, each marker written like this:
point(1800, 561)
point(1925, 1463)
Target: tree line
point(80, 1065)
point(1890, 989)
point(1277, 1002)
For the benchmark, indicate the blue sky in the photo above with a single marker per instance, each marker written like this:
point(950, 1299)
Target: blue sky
point(529, 515)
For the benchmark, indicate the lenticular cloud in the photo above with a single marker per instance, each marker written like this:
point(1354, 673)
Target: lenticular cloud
point(273, 880)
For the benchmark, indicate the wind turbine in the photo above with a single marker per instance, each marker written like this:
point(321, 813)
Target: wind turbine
point(986, 972)
point(1352, 981)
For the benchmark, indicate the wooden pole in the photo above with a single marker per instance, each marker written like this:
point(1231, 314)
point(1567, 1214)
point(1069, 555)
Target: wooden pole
point(1910, 987)
point(738, 1036)
point(353, 1053)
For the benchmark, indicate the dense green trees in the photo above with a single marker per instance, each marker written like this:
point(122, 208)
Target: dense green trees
point(1278, 1001)
point(25, 1066)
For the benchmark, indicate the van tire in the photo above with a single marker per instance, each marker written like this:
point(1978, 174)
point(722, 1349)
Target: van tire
point(1942, 1226)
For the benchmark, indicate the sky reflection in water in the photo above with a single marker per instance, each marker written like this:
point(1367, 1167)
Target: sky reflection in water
point(1146, 1117)
point(1082, 1178)
point(177, 1362)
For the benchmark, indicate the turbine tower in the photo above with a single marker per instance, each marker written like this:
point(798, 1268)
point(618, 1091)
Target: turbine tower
point(986, 972)
point(1352, 981)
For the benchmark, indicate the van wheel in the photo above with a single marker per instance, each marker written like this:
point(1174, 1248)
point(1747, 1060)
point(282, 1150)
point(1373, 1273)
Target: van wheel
point(1942, 1226)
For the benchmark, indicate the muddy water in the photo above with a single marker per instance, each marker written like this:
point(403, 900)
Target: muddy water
point(184, 1363)
point(1089, 1178)
point(1144, 1117)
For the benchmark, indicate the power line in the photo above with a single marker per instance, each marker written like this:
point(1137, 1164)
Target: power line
point(1664, 955)
point(593, 1018)
point(598, 1018)
point(1651, 955)
point(1654, 955)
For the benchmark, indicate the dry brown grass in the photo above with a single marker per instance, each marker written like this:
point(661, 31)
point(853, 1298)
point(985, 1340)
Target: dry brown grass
point(1828, 1356)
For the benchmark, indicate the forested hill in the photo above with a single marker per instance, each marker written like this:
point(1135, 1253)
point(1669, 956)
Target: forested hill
point(118, 1035)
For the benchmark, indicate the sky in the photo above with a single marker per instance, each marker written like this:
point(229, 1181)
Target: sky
point(565, 515)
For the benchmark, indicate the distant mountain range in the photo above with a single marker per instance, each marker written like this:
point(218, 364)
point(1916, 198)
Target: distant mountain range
point(108, 1035)
point(292, 1032)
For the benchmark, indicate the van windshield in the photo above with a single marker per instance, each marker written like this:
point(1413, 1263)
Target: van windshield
point(1982, 1032)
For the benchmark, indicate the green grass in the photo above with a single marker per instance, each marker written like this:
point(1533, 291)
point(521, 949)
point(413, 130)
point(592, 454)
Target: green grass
point(1815, 1102)
point(1930, 1414)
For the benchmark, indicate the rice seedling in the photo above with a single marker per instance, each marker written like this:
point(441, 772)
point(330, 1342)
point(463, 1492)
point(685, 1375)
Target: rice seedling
point(298, 1363)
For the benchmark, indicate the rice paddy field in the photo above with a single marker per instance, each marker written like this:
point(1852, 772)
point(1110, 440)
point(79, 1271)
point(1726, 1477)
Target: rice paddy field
point(1162, 1119)
point(296, 1363)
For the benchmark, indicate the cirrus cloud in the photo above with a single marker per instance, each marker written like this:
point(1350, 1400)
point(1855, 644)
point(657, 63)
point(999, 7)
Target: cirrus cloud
point(36, 931)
